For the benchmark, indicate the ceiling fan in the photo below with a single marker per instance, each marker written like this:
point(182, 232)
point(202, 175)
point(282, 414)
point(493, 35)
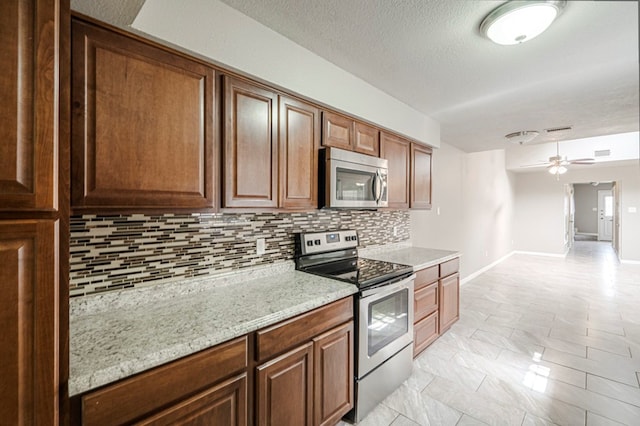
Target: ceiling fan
point(558, 165)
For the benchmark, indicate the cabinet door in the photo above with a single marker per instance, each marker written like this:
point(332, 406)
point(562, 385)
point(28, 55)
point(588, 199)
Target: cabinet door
point(29, 107)
point(28, 320)
point(420, 177)
point(337, 131)
point(142, 125)
point(425, 301)
point(425, 332)
point(333, 375)
point(250, 145)
point(449, 289)
point(367, 139)
point(285, 389)
point(222, 405)
point(299, 144)
point(396, 151)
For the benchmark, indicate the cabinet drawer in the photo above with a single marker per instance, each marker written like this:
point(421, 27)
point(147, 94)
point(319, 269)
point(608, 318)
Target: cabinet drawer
point(426, 276)
point(450, 267)
point(424, 333)
point(425, 301)
point(144, 393)
point(285, 335)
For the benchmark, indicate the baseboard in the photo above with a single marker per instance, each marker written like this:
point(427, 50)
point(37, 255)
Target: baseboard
point(540, 253)
point(484, 269)
point(630, 262)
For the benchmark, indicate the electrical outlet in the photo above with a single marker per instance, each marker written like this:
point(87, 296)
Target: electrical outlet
point(395, 231)
point(260, 246)
point(438, 211)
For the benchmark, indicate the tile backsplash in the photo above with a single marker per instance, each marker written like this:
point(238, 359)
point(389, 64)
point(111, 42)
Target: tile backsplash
point(122, 251)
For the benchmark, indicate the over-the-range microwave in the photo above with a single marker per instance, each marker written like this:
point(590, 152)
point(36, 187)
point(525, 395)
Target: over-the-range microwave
point(352, 180)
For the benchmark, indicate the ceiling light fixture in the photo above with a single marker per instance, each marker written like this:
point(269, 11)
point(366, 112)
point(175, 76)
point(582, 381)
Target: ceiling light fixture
point(522, 137)
point(518, 21)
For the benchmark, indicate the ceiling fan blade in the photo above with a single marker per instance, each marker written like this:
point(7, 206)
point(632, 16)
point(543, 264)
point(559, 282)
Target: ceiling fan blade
point(526, 166)
point(589, 163)
point(581, 159)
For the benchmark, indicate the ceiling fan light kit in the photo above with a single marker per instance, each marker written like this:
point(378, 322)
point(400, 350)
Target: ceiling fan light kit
point(517, 21)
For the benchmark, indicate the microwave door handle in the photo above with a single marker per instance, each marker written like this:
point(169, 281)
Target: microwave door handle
point(374, 187)
point(378, 187)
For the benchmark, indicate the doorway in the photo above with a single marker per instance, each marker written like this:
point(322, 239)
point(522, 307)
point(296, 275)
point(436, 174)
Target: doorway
point(594, 211)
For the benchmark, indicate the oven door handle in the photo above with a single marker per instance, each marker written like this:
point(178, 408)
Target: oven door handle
point(388, 289)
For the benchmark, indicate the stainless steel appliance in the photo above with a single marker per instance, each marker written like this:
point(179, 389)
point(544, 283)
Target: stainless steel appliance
point(352, 180)
point(384, 312)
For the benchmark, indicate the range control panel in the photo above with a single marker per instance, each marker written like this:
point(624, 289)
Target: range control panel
point(320, 242)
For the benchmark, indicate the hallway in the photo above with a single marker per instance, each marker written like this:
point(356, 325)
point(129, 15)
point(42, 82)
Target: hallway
point(541, 340)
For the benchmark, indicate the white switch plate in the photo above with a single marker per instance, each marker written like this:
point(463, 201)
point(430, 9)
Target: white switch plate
point(594, 209)
point(438, 211)
point(633, 210)
point(260, 246)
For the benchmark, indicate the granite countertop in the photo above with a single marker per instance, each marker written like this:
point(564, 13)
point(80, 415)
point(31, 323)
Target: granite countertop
point(117, 335)
point(417, 257)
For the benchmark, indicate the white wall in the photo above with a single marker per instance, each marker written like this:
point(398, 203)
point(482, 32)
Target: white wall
point(538, 223)
point(215, 30)
point(475, 196)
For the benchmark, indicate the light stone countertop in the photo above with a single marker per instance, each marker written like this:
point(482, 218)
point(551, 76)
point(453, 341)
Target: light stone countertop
point(147, 330)
point(417, 257)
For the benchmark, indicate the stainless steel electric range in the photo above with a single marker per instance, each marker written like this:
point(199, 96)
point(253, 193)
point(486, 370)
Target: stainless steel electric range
point(383, 312)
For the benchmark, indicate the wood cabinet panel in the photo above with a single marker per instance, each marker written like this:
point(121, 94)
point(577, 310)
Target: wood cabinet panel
point(449, 267)
point(449, 301)
point(29, 322)
point(333, 375)
point(285, 389)
point(427, 276)
point(298, 149)
point(29, 108)
point(425, 301)
point(222, 405)
point(366, 139)
point(250, 145)
point(337, 131)
point(142, 125)
point(425, 332)
point(420, 177)
point(147, 392)
point(287, 334)
point(396, 151)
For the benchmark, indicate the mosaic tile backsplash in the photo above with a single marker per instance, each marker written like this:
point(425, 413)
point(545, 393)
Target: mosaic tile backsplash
point(123, 251)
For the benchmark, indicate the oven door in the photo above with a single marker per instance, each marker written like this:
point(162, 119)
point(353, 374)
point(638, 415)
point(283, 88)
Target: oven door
point(356, 185)
point(385, 323)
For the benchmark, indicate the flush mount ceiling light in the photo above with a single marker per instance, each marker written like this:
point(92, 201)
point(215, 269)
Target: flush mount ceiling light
point(522, 137)
point(518, 21)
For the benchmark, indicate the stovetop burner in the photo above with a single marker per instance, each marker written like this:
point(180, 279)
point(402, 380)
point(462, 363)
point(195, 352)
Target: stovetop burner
point(333, 255)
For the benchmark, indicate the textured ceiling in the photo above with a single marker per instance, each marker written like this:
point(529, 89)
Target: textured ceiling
point(429, 54)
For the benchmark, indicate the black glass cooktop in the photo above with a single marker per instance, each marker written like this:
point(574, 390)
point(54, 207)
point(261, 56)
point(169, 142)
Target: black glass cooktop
point(360, 271)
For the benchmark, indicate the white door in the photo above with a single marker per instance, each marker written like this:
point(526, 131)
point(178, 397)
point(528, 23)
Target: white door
point(605, 215)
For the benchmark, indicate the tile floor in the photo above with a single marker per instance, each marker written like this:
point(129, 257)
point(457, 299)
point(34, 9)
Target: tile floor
point(540, 341)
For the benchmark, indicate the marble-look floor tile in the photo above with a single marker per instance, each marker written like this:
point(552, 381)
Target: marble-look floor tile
point(525, 346)
point(466, 420)
point(464, 343)
point(615, 345)
point(463, 376)
point(380, 416)
point(611, 371)
point(523, 337)
point(422, 408)
point(531, 420)
point(403, 421)
point(533, 401)
point(597, 420)
point(619, 391)
point(473, 404)
point(419, 378)
point(553, 371)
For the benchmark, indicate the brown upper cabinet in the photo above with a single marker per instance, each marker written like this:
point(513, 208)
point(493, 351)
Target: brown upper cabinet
point(142, 125)
point(29, 108)
point(420, 177)
point(345, 133)
point(396, 151)
point(299, 144)
point(250, 145)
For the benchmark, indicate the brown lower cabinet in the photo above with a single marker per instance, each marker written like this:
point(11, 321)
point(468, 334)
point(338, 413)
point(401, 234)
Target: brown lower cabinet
point(436, 302)
point(297, 372)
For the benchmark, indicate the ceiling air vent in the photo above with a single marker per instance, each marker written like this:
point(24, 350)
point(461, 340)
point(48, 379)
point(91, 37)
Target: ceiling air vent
point(602, 153)
point(558, 129)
